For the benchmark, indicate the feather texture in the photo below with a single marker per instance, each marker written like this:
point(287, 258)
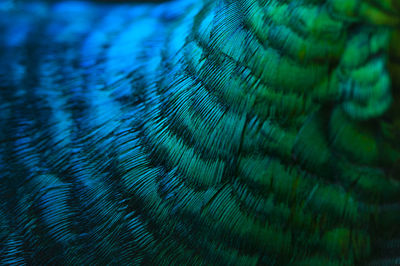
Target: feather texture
point(246, 132)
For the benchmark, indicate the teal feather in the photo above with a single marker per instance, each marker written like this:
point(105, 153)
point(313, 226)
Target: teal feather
point(245, 132)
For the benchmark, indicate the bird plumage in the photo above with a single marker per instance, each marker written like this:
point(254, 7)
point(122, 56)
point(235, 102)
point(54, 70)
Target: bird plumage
point(245, 132)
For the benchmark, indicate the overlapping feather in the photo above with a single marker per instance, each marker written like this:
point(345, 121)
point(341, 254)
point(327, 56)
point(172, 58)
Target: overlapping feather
point(200, 132)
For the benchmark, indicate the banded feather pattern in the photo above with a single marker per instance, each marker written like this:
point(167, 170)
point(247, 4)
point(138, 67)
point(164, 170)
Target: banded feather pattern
point(248, 132)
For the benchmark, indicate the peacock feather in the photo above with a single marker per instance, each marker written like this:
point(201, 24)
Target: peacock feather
point(200, 132)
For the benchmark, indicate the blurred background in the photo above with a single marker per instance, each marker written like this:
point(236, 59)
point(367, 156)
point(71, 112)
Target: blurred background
point(9, 4)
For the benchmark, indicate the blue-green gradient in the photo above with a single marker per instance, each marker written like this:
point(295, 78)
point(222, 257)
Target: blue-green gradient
point(200, 132)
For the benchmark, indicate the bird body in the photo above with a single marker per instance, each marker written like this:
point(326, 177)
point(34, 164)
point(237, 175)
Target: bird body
point(244, 132)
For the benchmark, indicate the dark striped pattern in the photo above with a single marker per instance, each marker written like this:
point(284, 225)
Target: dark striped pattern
point(199, 132)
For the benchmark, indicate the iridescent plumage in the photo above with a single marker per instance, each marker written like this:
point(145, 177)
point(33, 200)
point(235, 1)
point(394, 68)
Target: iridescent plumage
point(200, 132)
